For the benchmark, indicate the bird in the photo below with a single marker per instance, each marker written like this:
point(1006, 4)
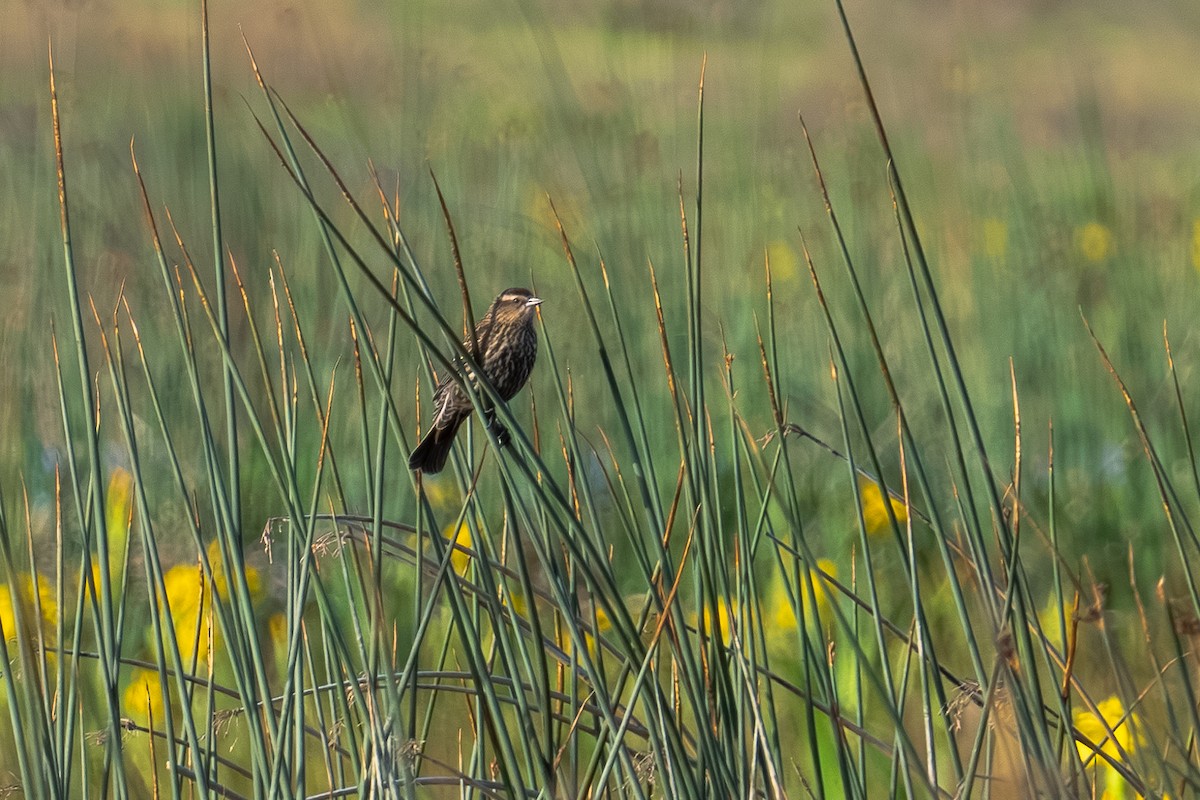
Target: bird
point(507, 348)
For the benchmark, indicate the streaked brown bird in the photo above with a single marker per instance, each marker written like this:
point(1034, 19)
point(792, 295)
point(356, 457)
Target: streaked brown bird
point(507, 349)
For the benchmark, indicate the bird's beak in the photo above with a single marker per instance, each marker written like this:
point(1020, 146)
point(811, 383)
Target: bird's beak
point(533, 301)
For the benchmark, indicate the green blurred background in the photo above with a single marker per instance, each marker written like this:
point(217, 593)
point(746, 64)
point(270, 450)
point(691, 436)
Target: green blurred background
point(1049, 149)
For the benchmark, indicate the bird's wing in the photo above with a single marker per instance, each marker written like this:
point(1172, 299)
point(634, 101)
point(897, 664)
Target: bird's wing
point(483, 333)
point(441, 403)
point(444, 395)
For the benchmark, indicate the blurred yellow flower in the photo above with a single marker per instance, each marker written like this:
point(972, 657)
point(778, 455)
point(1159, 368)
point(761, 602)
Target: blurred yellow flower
point(782, 616)
point(25, 586)
point(277, 628)
point(1196, 243)
point(875, 514)
point(514, 600)
point(783, 260)
point(142, 700)
point(278, 634)
point(725, 612)
point(603, 625)
point(188, 597)
point(458, 559)
point(118, 507)
point(1096, 728)
point(1125, 738)
point(1095, 241)
point(221, 582)
point(118, 500)
point(119, 516)
point(1054, 618)
point(95, 573)
point(995, 238)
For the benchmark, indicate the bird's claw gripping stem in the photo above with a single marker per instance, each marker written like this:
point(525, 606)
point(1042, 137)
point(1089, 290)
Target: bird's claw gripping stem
point(498, 430)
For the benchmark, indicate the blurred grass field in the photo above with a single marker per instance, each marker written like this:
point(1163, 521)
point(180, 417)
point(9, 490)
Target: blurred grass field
point(1049, 154)
point(1048, 148)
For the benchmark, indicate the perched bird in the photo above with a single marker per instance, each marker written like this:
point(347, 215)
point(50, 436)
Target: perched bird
point(507, 344)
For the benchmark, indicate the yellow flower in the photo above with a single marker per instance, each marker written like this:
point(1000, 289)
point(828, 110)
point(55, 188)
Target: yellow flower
point(189, 598)
point(221, 582)
point(782, 258)
point(1095, 241)
point(459, 559)
point(780, 613)
point(278, 634)
point(118, 506)
point(726, 611)
point(875, 513)
point(1125, 738)
point(515, 601)
point(1053, 618)
point(603, 625)
point(1112, 716)
point(277, 628)
point(143, 700)
point(119, 516)
point(25, 585)
point(95, 572)
point(1196, 243)
point(995, 238)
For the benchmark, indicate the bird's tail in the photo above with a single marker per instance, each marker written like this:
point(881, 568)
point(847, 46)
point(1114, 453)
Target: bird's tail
point(430, 455)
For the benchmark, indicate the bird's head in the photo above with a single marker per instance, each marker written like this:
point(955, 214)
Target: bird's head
point(515, 305)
